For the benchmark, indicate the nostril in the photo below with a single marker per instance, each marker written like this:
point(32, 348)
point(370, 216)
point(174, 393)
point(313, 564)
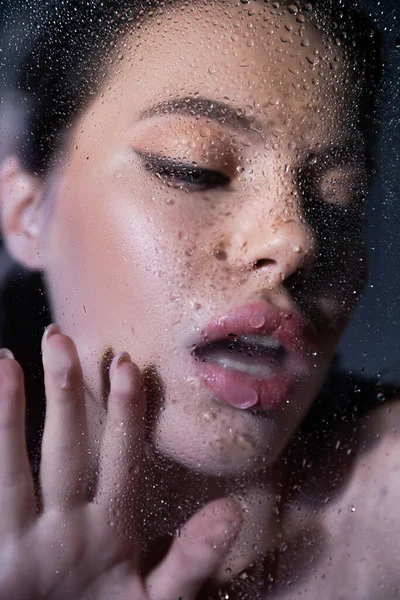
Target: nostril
point(262, 262)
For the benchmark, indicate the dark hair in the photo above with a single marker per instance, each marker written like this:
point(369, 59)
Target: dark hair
point(56, 53)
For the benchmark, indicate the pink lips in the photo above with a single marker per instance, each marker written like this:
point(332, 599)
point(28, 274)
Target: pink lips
point(245, 391)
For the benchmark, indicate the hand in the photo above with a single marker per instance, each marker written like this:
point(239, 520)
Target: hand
point(73, 548)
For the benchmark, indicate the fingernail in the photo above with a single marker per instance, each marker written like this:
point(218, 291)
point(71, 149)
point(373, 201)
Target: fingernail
point(116, 361)
point(49, 331)
point(6, 353)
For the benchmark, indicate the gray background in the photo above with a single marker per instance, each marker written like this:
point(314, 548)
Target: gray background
point(372, 341)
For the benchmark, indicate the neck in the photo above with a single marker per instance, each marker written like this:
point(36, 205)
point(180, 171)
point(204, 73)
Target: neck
point(171, 494)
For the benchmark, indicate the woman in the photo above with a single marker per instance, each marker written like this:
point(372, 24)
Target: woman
point(190, 186)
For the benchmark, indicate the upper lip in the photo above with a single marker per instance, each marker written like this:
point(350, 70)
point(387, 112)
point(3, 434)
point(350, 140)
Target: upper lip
point(287, 327)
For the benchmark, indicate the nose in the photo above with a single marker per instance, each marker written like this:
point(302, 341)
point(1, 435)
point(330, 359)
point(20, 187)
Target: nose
point(277, 245)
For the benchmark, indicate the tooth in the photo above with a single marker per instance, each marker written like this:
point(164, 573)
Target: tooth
point(258, 340)
point(238, 366)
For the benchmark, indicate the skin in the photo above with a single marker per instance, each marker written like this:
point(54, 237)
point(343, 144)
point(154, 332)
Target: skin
point(134, 263)
point(156, 245)
point(67, 529)
point(353, 531)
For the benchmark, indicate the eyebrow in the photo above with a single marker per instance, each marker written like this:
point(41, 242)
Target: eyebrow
point(218, 111)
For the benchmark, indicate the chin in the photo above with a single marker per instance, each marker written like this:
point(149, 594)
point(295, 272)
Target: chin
point(220, 443)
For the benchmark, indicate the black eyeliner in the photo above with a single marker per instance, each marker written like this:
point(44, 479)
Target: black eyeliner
point(173, 169)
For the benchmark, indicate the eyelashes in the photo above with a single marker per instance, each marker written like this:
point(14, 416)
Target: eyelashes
point(187, 176)
point(317, 183)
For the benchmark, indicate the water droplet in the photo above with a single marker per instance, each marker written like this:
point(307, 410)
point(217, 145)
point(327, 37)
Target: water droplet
point(313, 60)
point(257, 321)
point(205, 132)
point(293, 9)
point(174, 297)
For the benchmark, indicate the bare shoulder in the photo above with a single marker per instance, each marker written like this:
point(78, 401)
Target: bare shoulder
point(352, 536)
point(371, 493)
point(377, 461)
point(363, 523)
point(385, 419)
point(373, 487)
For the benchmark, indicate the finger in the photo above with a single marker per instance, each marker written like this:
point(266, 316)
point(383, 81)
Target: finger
point(197, 553)
point(122, 444)
point(64, 446)
point(17, 497)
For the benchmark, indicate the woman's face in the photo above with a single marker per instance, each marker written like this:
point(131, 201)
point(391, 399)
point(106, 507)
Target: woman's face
point(203, 220)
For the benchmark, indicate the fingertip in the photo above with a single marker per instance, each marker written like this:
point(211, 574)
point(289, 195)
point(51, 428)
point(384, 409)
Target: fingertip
point(117, 362)
point(56, 340)
point(226, 519)
point(227, 509)
point(198, 552)
point(216, 526)
point(125, 376)
point(6, 353)
point(50, 330)
point(11, 374)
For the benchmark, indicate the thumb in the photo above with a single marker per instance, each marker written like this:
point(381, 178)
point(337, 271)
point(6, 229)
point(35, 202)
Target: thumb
point(197, 553)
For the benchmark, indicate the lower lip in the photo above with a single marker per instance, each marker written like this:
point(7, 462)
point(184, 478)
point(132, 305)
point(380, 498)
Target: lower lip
point(243, 391)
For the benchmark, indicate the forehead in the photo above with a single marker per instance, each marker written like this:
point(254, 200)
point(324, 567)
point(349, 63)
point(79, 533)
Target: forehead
point(273, 63)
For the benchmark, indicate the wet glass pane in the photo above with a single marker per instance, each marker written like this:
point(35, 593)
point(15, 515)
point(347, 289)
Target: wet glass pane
point(201, 198)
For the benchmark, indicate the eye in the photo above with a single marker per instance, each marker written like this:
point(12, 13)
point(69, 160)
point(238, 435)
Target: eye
point(187, 176)
point(343, 186)
point(332, 189)
point(335, 179)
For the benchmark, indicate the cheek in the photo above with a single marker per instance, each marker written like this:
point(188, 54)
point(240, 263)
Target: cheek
point(119, 261)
